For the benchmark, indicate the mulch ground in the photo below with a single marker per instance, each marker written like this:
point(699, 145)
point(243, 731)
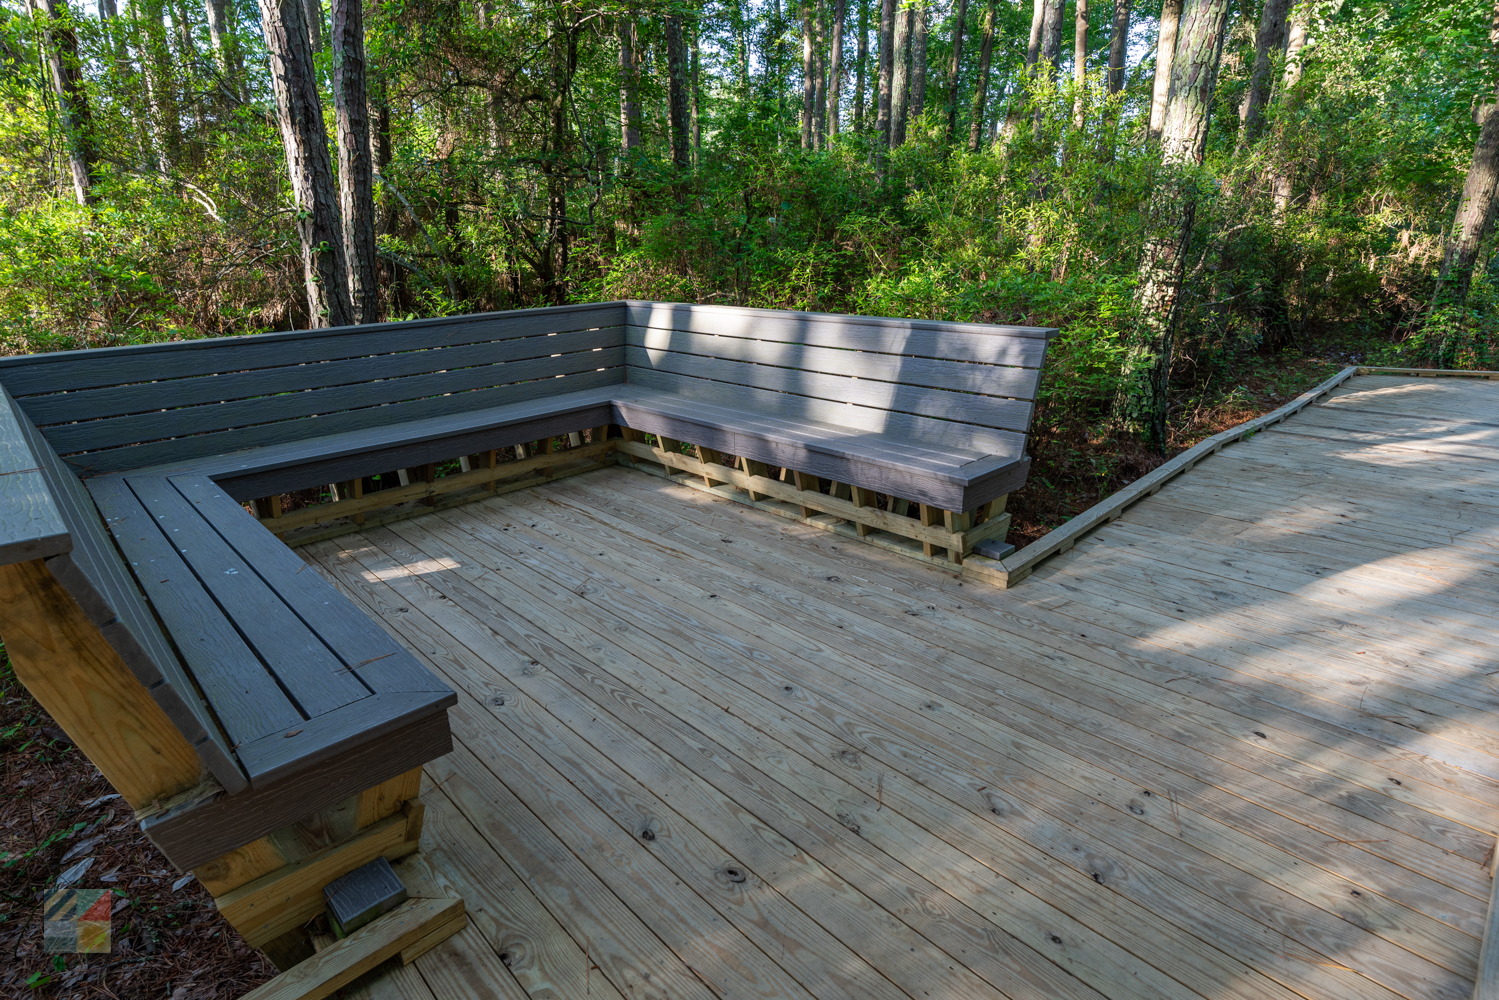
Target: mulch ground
point(56, 812)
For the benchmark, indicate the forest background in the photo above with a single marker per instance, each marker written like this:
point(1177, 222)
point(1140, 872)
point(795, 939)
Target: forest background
point(1217, 201)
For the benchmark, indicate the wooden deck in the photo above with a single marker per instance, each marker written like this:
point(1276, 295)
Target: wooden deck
point(1241, 743)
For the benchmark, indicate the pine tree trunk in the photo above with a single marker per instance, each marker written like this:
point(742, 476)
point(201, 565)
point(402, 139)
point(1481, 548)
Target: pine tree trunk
point(381, 152)
point(629, 88)
point(1475, 211)
point(900, 85)
point(918, 63)
point(697, 98)
point(356, 175)
point(1283, 179)
point(981, 88)
point(820, 67)
point(887, 75)
point(1269, 40)
point(1080, 62)
point(677, 97)
point(299, 111)
point(313, 12)
point(1051, 39)
point(63, 70)
point(1165, 54)
point(1118, 43)
point(157, 71)
point(955, 68)
point(835, 69)
point(225, 50)
point(1039, 9)
point(1171, 212)
point(861, 63)
point(809, 74)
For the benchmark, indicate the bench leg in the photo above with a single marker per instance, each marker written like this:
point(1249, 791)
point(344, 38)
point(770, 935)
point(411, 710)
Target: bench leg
point(710, 456)
point(862, 498)
point(66, 663)
point(754, 468)
point(929, 516)
point(807, 484)
point(956, 522)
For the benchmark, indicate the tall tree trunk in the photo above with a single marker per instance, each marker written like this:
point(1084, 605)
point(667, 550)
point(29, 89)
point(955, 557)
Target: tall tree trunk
point(861, 62)
point(835, 69)
point(900, 86)
point(809, 73)
point(1171, 212)
point(313, 12)
point(887, 76)
point(955, 67)
point(63, 70)
point(697, 98)
point(1039, 10)
point(629, 88)
point(1118, 44)
point(1165, 55)
point(226, 51)
point(381, 151)
point(918, 63)
point(677, 97)
point(1080, 62)
point(1270, 39)
point(299, 111)
point(1283, 178)
point(1051, 39)
point(820, 67)
point(356, 175)
point(158, 72)
point(1475, 211)
point(981, 87)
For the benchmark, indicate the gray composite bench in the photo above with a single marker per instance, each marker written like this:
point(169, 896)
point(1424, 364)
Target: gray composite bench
point(126, 470)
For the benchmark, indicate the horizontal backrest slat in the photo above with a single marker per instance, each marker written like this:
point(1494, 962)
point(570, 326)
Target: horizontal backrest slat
point(959, 376)
point(976, 342)
point(186, 449)
point(92, 435)
point(985, 411)
point(792, 407)
point(67, 371)
point(119, 400)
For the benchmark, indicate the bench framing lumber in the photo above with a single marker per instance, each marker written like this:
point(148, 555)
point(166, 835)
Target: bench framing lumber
point(267, 907)
point(76, 675)
point(409, 925)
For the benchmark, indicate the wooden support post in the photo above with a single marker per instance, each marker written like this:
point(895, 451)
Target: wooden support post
point(359, 495)
point(710, 456)
point(465, 464)
point(862, 498)
point(69, 667)
point(428, 474)
point(929, 516)
point(957, 522)
point(521, 454)
point(574, 439)
point(755, 468)
point(492, 462)
point(268, 508)
point(899, 507)
point(806, 483)
point(597, 434)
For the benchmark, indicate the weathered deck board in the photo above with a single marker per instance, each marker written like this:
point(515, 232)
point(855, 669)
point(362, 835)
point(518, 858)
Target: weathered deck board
point(1238, 743)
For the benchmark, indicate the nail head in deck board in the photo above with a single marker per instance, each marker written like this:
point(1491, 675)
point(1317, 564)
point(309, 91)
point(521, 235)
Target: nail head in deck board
point(201, 832)
point(290, 650)
point(244, 693)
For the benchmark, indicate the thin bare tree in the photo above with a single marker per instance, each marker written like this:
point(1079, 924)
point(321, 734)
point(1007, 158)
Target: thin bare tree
point(835, 68)
point(60, 43)
point(1269, 40)
point(1118, 42)
point(981, 87)
point(629, 87)
point(299, 112)
point(955, 67)
point(900, 92)
point(356, 174)
point(918, 63)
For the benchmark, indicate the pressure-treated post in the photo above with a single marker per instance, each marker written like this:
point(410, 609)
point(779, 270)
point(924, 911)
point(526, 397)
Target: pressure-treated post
point(66, 664)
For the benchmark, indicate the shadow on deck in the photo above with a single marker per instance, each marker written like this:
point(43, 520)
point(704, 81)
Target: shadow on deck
point(1238, 744)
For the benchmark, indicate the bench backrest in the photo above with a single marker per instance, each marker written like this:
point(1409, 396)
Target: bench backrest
point(967, 386)
point(133, 407)
point(47, 514)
